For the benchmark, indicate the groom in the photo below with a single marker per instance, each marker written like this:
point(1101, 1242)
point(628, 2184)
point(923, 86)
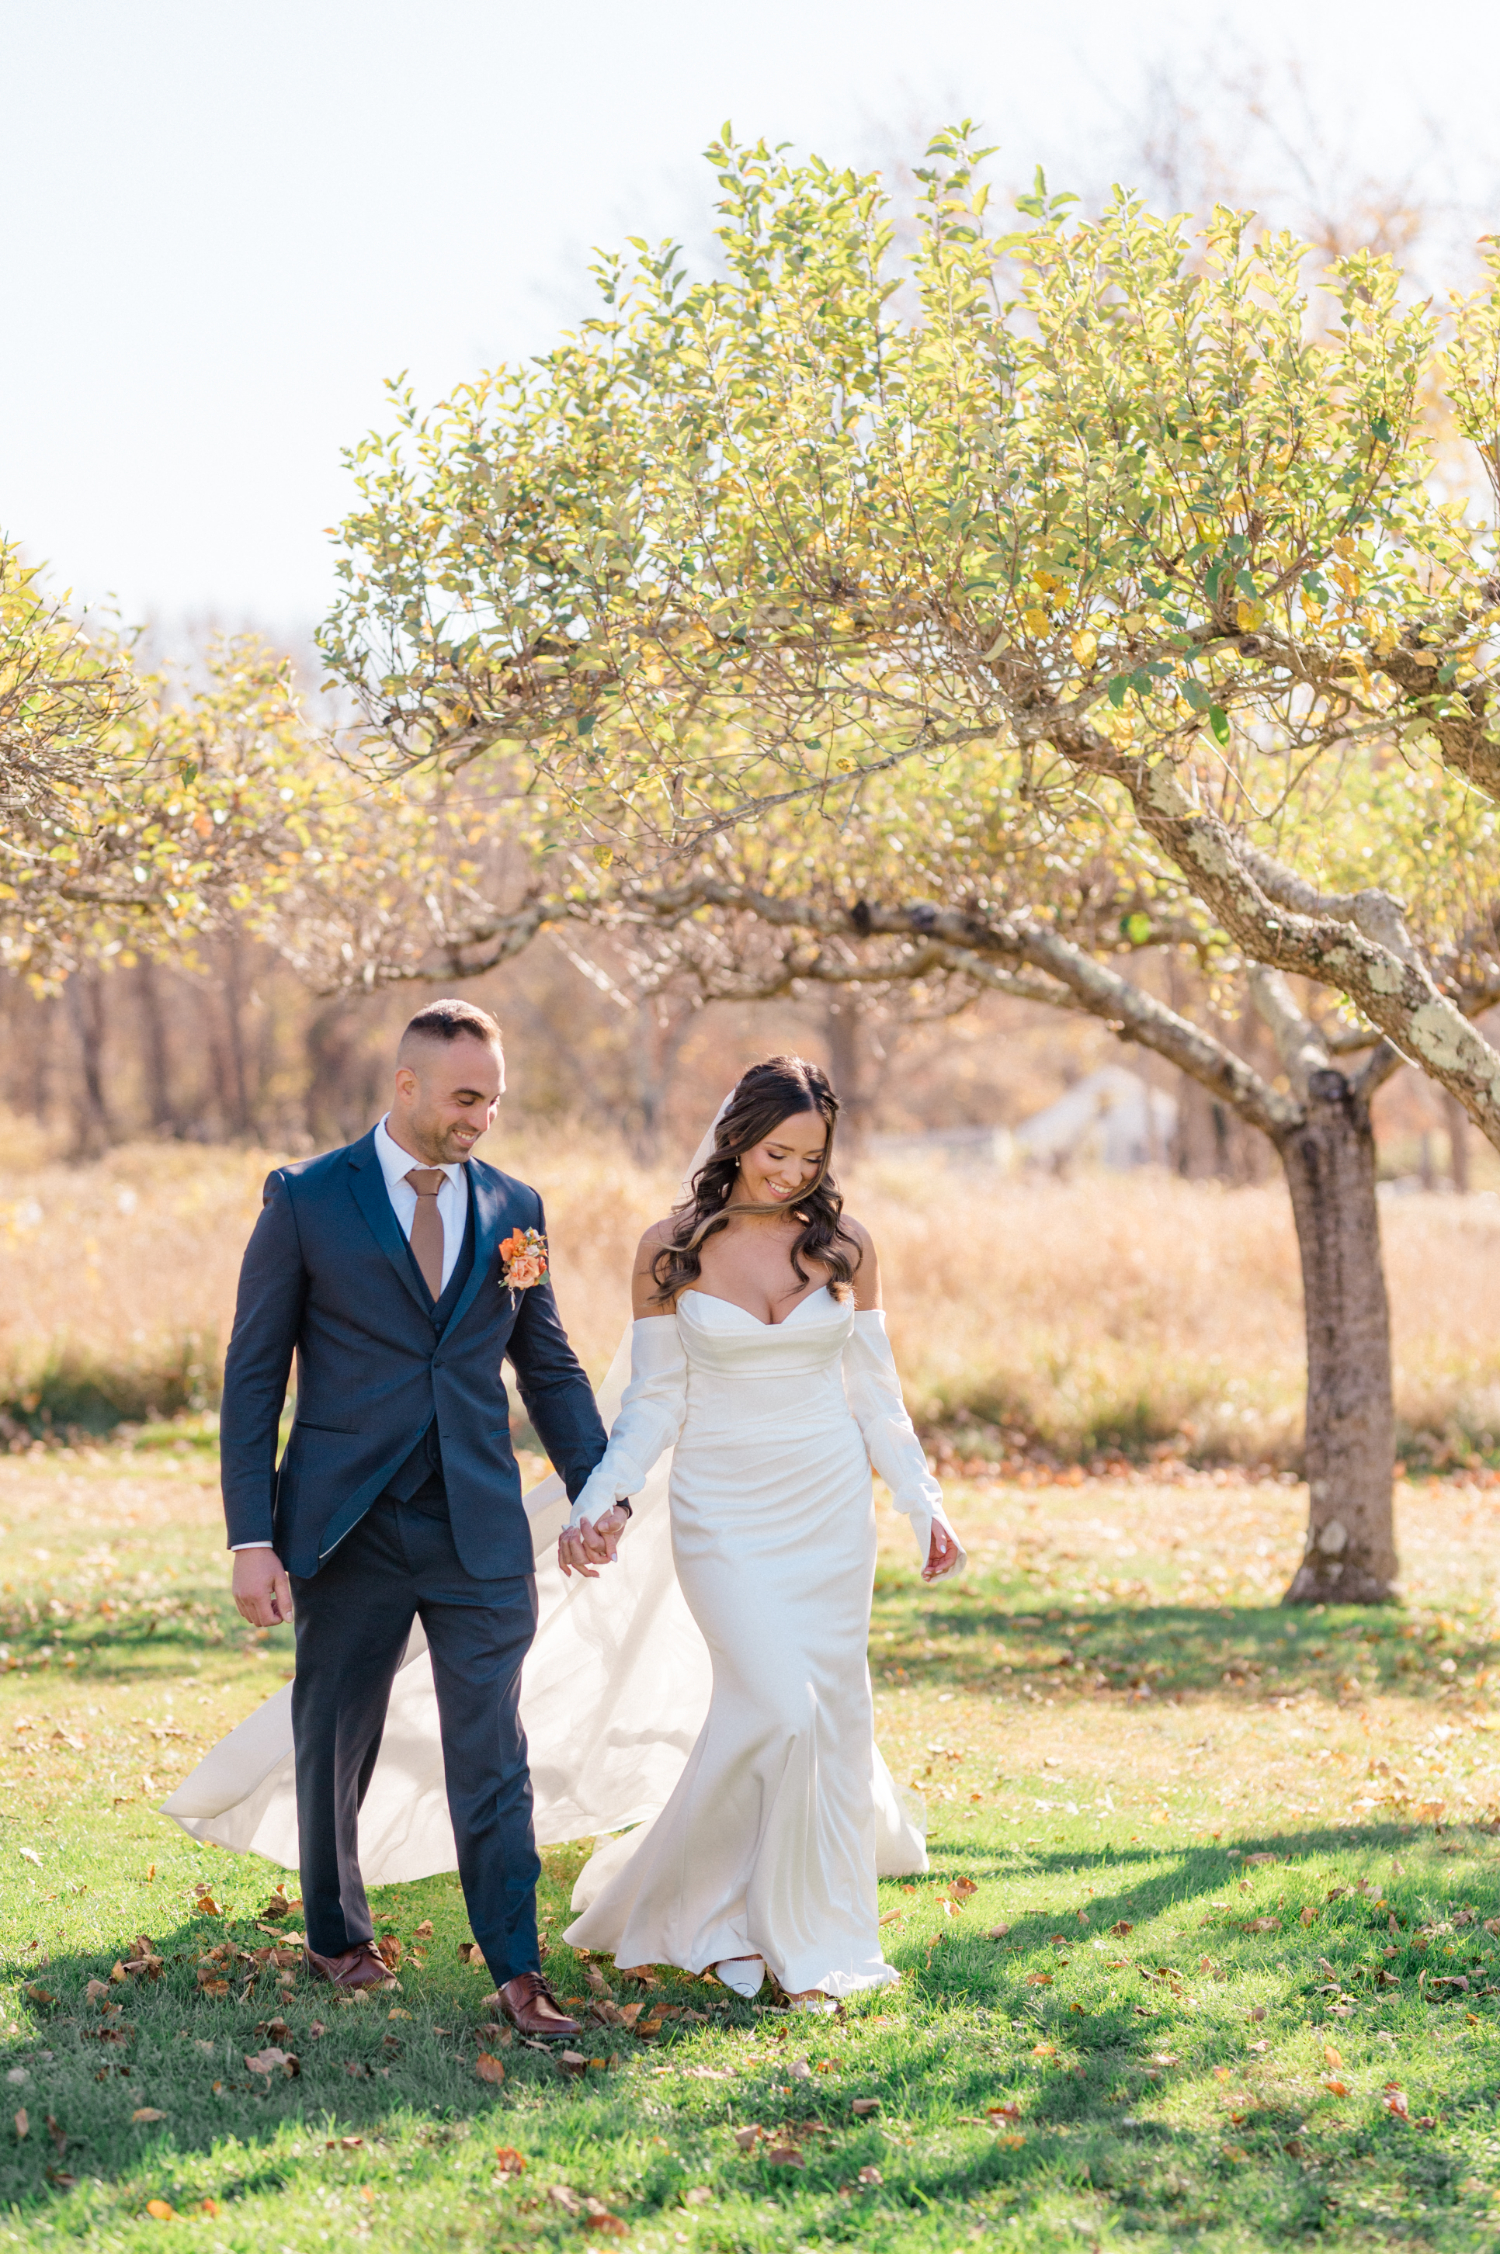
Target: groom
point(383, 1267)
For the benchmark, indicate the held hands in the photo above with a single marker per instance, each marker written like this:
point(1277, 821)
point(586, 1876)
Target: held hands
point(942, 1554)
point(588, 1545)
point(262, 1592)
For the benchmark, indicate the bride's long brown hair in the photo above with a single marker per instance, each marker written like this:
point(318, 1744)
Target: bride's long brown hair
point(768, 1093)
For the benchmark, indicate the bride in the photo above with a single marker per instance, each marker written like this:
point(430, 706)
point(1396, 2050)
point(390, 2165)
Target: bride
point(759, 1356)
point(708, 1704)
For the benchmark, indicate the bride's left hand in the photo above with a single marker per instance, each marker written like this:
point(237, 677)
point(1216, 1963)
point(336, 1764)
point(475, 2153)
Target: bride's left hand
point(942, 1555)
point(588, 1545)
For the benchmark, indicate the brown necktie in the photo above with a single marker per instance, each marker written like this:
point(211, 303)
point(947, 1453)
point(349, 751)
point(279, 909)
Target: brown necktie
point(427, 1228)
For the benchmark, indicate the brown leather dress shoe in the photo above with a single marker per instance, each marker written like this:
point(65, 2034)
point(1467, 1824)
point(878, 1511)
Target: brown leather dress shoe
point(360, 1967)
point(529, 2004)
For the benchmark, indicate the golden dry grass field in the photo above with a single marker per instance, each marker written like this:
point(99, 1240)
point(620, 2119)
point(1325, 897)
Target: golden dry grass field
point(1081, 1318)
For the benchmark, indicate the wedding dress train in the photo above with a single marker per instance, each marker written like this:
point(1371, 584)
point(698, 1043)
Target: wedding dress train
point(616, 1690)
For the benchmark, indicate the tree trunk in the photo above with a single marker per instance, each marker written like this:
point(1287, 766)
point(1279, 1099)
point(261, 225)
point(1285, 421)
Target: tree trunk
point(158, 1052)
point(847, 1068)
point(1458, 1142)
point(1350, 1445)
point(85, 998)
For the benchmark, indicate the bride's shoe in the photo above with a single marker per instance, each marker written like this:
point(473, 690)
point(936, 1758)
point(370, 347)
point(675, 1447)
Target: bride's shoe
point(742, 1975)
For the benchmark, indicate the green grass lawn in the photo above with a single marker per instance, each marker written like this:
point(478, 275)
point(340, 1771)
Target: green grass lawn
point(1191, 1965)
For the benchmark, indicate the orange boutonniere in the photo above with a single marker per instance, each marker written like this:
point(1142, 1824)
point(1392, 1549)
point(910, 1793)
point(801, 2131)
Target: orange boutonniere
point(523, 1260)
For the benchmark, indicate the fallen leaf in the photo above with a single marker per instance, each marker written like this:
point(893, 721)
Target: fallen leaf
point(1012, 2140)
point(571, 2062)
point(998, 1932)
point(864, 2105)
point(597, 2217)
point(489, 2068)
point(1235, 2152)
point(1334, 2087)
point(747, 2138)
point(509, 2161)
point(1264, 1925)
point(785, 2156)
point(801, 2071)
point(41, 1995)
point(94, 1990)
point(30, 1855)
point(870, 2176)
point(1044, 2050)
point(161, 2211)
point(699, 2196)
point(1008, 2112)
point(568, 2200)
point(148, 2113)
point(1119, 1931)
point(23, 2122)
point(1331, 2056)
point(1309, 1917)
point(1394, 2101)
point(272, 2060)
point(424, 1931)
point(208, 2207)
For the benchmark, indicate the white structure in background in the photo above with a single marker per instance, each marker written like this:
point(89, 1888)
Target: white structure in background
point(1111, 1119)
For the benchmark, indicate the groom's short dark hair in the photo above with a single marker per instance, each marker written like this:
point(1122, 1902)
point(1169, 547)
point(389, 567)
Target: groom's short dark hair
point(447, 1021)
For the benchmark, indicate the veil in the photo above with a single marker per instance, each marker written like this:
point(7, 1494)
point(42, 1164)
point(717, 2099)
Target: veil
point(614, 1694)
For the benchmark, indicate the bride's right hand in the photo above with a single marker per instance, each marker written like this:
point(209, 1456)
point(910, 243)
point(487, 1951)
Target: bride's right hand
point(591, 1543)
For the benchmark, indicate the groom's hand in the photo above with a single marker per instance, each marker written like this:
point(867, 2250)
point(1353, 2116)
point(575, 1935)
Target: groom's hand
point(591, 1543)
point(262, 1592)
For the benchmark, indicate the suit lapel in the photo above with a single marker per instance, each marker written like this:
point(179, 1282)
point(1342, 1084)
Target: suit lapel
point(373, 1199)
point(489, 1222)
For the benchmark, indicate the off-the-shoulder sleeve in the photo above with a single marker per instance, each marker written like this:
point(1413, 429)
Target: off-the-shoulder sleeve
point(873, 1391)
point(652, 1408)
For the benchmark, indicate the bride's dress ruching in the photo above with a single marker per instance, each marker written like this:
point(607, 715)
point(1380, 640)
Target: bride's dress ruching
point(771, 1841)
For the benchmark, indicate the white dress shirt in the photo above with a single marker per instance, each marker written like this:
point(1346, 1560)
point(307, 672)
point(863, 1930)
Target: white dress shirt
point(452, 1202)
point(452, 1198)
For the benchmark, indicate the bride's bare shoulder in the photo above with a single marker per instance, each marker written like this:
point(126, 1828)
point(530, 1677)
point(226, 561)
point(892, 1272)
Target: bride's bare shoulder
point(644, 1286)
point(866, 1266)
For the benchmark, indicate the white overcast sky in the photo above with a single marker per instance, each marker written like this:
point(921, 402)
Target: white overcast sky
point(228, 222)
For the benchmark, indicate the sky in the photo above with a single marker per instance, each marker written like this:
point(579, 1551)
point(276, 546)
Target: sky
point(230, 224)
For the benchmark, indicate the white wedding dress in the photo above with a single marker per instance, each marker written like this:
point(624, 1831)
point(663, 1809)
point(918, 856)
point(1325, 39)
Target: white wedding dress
point(710, 1689)
point(771, 1841)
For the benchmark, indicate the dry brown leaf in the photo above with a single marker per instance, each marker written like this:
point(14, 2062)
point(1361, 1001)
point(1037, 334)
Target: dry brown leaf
point(489, 2068)
point(23, 2122)
point(565, 2198)
point(509, 2161)
point(148, 2113)
point(998, 1932)
point(752, 2135)
point(785, 2156)
point(272, 2060)
point(870, 2176)
point(863, 2105)
point(1120, 1930)
point(161, 2211)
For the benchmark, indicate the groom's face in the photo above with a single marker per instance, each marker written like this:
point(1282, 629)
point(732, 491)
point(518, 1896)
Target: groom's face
point(447, 1094)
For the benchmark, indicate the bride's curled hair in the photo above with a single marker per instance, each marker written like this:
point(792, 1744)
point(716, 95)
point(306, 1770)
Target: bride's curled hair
point(768, 1093)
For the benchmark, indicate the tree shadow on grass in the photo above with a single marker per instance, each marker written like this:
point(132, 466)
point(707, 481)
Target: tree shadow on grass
point(984, 1645)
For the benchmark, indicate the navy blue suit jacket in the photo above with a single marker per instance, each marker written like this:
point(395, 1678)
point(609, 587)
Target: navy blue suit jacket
point(328, 1277)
